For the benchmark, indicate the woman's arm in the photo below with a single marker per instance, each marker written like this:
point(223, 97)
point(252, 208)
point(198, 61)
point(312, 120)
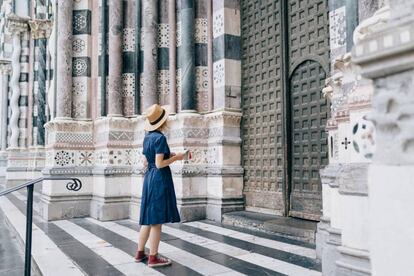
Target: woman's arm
point(161, 163)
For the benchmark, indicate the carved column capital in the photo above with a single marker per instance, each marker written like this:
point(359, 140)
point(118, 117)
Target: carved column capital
point(40, 28)
point(16, 24)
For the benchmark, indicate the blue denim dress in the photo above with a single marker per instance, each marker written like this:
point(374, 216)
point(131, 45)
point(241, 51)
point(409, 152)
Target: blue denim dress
point(158, 202)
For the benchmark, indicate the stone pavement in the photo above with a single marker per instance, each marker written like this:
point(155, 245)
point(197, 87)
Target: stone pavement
point(11, 255)
point(89, 247)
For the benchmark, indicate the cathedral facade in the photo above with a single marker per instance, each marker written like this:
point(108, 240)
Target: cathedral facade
point(290, 108)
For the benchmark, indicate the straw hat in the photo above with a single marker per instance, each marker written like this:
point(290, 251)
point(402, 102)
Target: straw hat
point(156, 116)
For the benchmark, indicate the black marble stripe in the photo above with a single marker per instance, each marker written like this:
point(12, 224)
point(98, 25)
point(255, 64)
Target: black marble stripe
point(163, 11)
point(187, 4)
point(130, 247)
point(226, 46)
point(201, 8)
point(23, 101)
point(128, 59)
point(208, 254)
point(100, 67)
point(200, 54)
point(82, 22)
point(262, 235)
point(163, 59)
point(24, 77)
point(266, 251)
point(90, 262)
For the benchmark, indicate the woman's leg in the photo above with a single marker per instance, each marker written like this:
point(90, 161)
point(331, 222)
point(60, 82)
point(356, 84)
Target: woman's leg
point(144, 234)
point(155, 237)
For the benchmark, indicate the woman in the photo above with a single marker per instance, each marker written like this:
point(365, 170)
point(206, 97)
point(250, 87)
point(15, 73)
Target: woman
point(158, 202)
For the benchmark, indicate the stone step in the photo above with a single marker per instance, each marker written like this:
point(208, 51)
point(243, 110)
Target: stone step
point(293, 228)
point(86, 246)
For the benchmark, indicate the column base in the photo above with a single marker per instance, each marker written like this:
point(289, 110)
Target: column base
point(110, 208)
point(353, 262)
point(216, 207)
point(330, 253)
point(59, 203)
point(191, 208)
point(321, 236)
point(111, 197)
point(64, 207)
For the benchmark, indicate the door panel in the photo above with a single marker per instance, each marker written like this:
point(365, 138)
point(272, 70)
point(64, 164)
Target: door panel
point(309, 149)
point(262, 149)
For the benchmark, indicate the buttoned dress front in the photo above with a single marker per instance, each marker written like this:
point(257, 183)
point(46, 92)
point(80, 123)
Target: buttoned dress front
point(158, 201)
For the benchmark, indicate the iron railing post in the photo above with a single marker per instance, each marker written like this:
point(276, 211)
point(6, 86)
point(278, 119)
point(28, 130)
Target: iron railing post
point(74, 186)
point(29, 219)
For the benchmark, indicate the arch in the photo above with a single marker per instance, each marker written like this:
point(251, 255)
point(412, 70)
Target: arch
point(315, 58)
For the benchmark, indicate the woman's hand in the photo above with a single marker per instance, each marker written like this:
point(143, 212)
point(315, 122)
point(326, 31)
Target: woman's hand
point(172, 154)
point(180, 156)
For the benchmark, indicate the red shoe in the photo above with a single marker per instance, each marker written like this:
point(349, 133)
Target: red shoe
point(140, 256)
point(156, 261)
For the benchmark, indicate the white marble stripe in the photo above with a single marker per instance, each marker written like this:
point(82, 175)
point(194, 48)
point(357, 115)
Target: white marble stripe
point(294, 249)
point(178, 255)
point(117, 258)
point(49, 258)
point(254, 258)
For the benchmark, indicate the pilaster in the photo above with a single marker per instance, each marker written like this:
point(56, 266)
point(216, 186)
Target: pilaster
point(386, 55)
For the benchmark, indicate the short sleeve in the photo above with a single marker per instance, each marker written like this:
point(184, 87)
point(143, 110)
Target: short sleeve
point(161, 145)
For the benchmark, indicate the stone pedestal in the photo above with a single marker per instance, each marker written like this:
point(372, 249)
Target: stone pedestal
point(114, 153)
point(225, 174)
point(69, 152)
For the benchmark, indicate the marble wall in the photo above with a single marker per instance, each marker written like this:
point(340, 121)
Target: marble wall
point(95, 132)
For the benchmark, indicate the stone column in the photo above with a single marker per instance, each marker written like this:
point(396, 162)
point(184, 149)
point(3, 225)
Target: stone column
point(52, 43)
point(150, 45)
point(226, 57)
point(18, 157)
point(137, 103)
point(64, 60)
point(187, 56)
point(115, 58)
point(41, 30)
point(4, 91)
point(210, 54)
point(172, 55)
point(386, 55)
point(4, 73)
point(16, 26)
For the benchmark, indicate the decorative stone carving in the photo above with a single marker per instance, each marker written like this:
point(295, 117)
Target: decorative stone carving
point(16, 25)
point(4, 72)
point(368, 26)
point(393, 116)
point(40, 28)
point(149, 43)
point(64, 60)
point(115, 58)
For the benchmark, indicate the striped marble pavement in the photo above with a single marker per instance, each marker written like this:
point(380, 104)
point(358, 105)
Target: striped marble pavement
point(86, 246)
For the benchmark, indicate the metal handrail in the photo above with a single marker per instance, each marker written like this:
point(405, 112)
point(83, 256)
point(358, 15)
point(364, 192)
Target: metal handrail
point(75, 185)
